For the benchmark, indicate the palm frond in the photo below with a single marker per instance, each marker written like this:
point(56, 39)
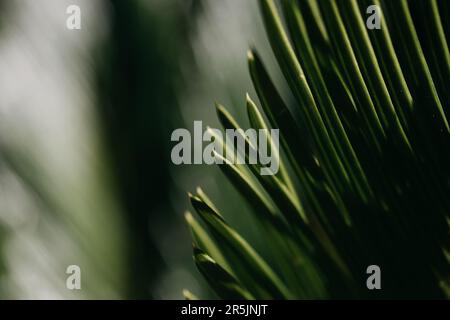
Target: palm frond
point(365, 168)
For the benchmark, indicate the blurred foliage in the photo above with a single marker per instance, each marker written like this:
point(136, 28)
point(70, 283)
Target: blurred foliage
point(136, 71)
point(138, 96)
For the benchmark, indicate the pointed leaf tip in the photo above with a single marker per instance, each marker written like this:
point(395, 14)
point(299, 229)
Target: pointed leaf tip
point(250, 55)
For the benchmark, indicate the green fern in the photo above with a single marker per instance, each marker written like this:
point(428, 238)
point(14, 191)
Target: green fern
point(365, 163)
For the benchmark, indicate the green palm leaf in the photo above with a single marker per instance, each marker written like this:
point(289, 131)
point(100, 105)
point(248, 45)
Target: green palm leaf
point(364, 171)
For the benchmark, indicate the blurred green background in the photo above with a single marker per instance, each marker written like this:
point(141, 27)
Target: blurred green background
point(85, 123)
